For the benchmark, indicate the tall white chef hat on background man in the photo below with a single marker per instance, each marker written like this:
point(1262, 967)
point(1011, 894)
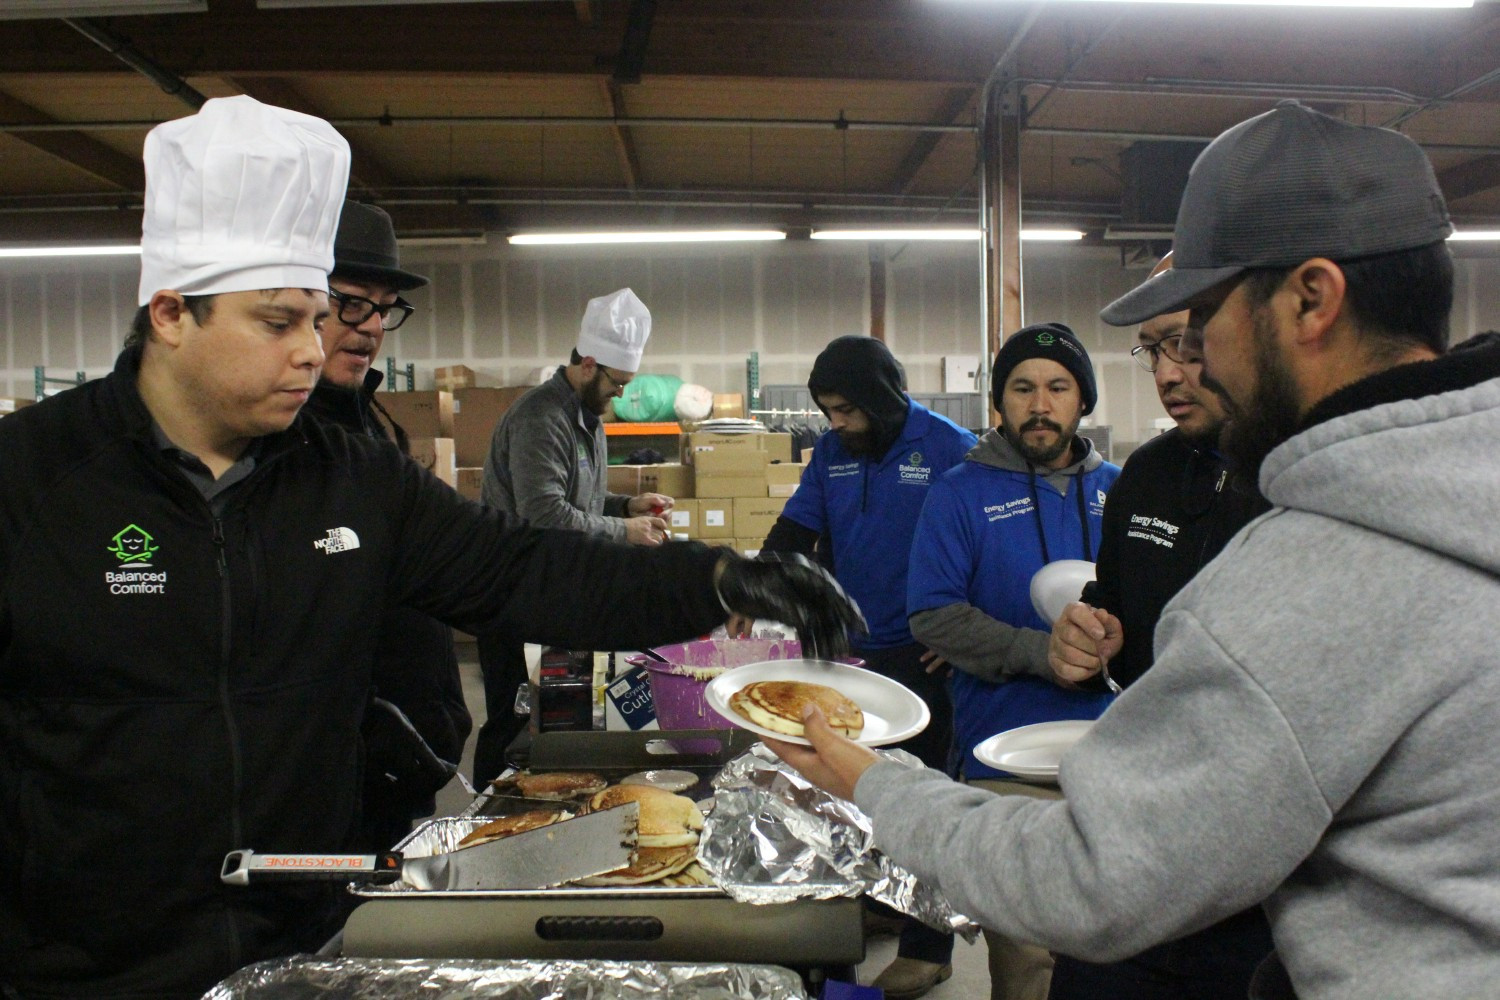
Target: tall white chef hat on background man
point(615, 329)
point(241, 196)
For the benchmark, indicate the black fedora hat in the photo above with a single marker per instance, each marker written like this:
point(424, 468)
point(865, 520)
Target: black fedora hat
point(365, 247)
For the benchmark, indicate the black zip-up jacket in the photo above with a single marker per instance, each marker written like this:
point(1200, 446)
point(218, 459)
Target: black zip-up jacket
point(174, 685)
point(416, 668)
point(1170, 512)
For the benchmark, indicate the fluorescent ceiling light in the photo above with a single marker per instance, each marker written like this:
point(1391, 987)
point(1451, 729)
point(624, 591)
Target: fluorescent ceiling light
point(953, 233)
point(1475, 235)
point(100, 251)
point(97, 8)
point(1323, 3)
point(650, 236)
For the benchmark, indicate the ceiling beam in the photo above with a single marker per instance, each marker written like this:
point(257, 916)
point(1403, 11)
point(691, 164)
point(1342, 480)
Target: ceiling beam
point(632, 58)
point(1472, 177)
point(366, 173)
point(905, 174)
point(75, 148)
point(630, 161)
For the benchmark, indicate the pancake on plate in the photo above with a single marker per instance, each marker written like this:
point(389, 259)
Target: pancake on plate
point(667, 819)
point(506, 826)
point(778, 706)
point(651, 864)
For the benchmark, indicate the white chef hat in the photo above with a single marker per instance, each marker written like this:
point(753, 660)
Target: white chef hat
point(241, 196)
point(614, 331)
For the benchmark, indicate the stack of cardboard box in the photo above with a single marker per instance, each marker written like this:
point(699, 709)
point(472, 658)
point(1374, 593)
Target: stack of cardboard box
point(427, 418)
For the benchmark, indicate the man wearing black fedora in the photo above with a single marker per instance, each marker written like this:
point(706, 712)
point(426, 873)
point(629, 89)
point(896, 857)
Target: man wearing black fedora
point(411, 698)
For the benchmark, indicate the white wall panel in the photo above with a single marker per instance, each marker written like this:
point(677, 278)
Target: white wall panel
point(507, 312)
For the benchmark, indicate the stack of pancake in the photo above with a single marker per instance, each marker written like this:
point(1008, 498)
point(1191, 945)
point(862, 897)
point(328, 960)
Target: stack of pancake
point(667, 849)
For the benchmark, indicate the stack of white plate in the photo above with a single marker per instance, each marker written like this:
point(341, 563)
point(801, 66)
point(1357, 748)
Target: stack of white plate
point(732, 425)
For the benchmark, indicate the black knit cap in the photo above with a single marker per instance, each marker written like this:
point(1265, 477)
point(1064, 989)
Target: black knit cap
point(863, 371)
point(365, 247)
point(1052, 341)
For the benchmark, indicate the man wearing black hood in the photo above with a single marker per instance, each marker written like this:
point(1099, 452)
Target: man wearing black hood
point(862, 492)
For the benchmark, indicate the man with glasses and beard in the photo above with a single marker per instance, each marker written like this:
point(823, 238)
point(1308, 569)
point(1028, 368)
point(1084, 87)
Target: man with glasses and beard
point(1318, 728)
point(417, 721)
point(1170, 512)
point(862, 492)
point(1030, 492)
point(547, 463)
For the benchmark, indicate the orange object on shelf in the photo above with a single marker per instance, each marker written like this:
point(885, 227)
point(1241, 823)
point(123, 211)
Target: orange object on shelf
point(656, 429)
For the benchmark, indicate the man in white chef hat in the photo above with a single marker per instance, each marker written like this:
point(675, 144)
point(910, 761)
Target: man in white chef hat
point(186, 661)
point(547, 463)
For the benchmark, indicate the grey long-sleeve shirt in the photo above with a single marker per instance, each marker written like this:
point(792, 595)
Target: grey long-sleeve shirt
point(547, 464)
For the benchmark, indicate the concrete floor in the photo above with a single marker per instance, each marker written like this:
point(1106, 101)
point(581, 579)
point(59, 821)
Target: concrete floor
point(971, 979)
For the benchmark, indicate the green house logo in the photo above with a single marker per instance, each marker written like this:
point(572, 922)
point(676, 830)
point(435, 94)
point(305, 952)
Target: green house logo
point(916, 458)
point(134, 545)
point(1045, 339)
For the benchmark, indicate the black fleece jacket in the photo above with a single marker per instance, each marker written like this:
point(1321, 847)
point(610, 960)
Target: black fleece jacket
point(1171, 511)
point(175, 685)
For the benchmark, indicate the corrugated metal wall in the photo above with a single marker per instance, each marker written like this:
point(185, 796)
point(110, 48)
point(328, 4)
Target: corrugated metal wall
point(507, 311)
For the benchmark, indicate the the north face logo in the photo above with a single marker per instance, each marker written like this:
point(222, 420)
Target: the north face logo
point(338, 540)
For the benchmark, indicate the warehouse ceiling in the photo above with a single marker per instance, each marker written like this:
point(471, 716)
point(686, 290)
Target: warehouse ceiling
point(491, 117)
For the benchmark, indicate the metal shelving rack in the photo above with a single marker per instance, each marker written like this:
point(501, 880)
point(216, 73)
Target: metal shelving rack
point(391, 372)
point(42, 380)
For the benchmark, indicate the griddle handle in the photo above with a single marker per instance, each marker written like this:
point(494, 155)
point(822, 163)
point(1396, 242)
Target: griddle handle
point(621, 928)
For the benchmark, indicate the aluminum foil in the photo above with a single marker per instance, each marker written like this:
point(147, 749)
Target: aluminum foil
point(774, 837)
point(459, 979)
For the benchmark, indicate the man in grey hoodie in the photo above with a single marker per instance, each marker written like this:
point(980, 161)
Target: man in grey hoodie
point(1318, 729)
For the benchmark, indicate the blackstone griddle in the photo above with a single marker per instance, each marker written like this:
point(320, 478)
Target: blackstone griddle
point(647, 923)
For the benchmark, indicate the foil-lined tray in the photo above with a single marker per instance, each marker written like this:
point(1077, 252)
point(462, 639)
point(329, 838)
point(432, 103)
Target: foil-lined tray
point(302, 976)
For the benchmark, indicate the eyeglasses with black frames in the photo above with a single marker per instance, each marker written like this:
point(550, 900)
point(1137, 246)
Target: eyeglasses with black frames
point(1149, 356)
point(355, 309)
point(612, 380)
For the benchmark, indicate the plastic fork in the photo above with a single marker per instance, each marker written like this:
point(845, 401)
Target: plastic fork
point(1109, 681)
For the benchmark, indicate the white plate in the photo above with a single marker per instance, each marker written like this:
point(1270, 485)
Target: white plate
point(1033, 751)
point(892, 712)
point(1058, 584)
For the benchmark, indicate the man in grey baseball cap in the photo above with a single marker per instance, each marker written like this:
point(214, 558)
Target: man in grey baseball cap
point(1317, 731)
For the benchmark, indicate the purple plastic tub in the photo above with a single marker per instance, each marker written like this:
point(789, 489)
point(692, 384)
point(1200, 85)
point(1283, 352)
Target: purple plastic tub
point(677, 686)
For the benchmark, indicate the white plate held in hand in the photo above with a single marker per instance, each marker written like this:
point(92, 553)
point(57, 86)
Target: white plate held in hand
point(1033, 751)
point(1058, 584)
point(892, 712)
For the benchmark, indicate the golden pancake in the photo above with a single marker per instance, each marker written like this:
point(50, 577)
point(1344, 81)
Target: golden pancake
point(778, 706)
point(667, 819)
point(559, 785)
point(651, 864)
point(506, 826)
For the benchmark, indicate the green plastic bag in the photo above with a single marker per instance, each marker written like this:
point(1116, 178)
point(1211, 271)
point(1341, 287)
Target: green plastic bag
point(648, 398)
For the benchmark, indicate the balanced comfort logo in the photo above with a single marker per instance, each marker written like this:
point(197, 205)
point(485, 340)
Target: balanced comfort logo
point(914, 472)
point(1045, 339)
point(133, 547)
point(338, 540)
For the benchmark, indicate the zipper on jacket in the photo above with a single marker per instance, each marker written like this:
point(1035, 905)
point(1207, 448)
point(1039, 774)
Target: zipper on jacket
point(236, 820)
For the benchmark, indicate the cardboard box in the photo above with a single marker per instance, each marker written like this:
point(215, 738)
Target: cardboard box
point(672, 479)
point(778, 447)
point(470, 482)
point(436, 456)
point(695, 442)
point(749, 547)
point(731, 486)
point(454, 377)
point(475, 414)
point(729, 404)
point(422, 414)
point(624, 479)
point(731, 462)
point(716, 519)
point(755, 516)
point(9, 405)
point(682, 519)
point(783, 478)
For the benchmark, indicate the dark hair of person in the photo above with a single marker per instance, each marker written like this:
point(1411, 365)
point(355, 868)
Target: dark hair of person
point(1402, 296)
point(201, 306)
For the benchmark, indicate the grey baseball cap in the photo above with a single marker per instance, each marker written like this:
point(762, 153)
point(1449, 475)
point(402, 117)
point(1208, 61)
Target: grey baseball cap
point(1285, 186)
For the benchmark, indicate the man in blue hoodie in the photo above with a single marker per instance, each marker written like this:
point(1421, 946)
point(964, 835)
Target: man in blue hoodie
point(1030, 492)
point(863, 491)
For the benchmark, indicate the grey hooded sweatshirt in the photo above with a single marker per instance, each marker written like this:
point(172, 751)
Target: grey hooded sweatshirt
point(1320, 730)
